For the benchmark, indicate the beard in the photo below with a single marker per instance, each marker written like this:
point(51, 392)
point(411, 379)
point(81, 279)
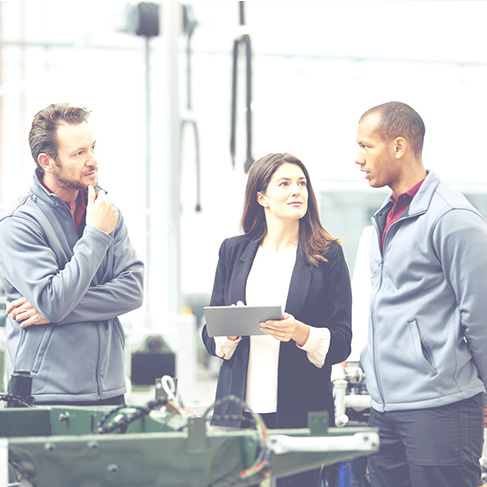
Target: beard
point(65, 182)
point(69, 184)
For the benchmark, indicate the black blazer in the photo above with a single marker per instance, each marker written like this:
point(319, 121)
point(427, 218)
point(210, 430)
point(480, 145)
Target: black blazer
point(318, 296)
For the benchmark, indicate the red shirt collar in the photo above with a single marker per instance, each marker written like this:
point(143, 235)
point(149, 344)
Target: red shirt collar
point(80, 204)
point(410, 192)
point(399, 205)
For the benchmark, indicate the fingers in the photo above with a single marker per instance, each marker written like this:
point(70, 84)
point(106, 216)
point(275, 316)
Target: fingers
point(100, 196)
point(281, 330)
point(15, 304)
point(279, 333)
point(96, 198)
point(27, 323)
point(24, 313)
point(91, 194)
point(100, 212)
point(35, 319)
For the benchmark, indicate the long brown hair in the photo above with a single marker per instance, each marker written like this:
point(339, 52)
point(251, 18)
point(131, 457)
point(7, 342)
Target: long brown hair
point(313, 238)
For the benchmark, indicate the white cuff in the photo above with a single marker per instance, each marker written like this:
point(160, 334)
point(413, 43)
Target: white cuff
point(225, 347)
point(317, 345)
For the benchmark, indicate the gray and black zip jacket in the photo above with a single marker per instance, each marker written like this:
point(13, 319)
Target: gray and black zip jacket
point(427, 342)
point(80, 285)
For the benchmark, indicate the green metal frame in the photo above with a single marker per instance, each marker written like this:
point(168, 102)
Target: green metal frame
point(56, 447)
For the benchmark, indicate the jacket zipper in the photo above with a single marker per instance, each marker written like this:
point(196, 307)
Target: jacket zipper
point(380, 269)
point(97, 330)
point(374, 341)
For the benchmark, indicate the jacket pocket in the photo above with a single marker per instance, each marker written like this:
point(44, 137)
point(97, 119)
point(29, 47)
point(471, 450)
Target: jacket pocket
point(422, 350)
point(121, 333)
point(41, 351)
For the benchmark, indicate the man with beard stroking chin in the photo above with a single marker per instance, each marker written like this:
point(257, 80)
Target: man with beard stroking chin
point(68, 269)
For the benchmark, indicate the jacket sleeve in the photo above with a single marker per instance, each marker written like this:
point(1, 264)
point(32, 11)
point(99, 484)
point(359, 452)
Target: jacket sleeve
point(30, 265)
point(460, 239)
point(217, 297)
point(122, 293)
point(340, 319)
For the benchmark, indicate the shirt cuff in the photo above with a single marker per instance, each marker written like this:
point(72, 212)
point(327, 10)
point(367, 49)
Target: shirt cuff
point(225, 347)
point(317, 345)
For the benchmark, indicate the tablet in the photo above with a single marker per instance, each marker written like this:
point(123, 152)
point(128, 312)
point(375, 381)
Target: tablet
point(239, 320)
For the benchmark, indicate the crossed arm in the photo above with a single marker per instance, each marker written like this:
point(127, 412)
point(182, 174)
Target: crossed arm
point(81, 291)
point(22, 311)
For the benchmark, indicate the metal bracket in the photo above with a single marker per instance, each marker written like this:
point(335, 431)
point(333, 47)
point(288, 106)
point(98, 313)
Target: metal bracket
point(196, 434)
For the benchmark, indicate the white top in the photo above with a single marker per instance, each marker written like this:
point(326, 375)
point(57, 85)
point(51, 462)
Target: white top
point(268, 284)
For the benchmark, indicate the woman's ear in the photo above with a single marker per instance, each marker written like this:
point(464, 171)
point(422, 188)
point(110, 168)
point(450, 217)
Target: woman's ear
point(262, 200)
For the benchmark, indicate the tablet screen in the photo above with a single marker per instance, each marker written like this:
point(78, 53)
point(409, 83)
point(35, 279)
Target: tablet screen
point(239, 320)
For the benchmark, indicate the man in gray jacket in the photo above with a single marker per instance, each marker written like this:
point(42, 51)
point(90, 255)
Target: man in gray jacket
point(68, 268)
point(426, 354)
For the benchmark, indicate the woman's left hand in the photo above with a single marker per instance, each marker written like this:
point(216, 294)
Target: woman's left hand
point(289, 328)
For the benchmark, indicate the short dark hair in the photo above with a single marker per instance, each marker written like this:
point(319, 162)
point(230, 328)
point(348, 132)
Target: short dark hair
point(313, 238)
point(43, 133)
point(399, 120)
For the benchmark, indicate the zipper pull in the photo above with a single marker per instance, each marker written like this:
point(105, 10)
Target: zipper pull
point(377, 268)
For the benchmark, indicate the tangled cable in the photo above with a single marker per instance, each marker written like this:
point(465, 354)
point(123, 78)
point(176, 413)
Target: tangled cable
point(119, 418)
point(127, 415)
point(261, 464)
point(130, 413)
point(17, 400)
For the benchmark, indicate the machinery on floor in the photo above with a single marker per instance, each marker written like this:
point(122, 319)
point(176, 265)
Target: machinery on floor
point(161, 444)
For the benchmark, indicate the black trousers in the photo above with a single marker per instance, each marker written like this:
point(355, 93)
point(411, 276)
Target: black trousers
point(436, 447)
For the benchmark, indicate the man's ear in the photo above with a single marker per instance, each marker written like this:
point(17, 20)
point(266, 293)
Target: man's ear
point(45, 161)
point(262, 200)
point(400, 145)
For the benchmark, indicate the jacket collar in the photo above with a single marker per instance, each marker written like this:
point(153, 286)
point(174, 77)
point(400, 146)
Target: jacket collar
point(420, 203)
point(38, 189)
point(422, 200)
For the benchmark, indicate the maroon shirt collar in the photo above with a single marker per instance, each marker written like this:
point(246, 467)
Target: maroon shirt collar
point(399, 205)
point(80, 204)
point(411, 192)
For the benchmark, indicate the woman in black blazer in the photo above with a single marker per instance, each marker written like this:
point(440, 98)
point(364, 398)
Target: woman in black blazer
point(287, 257)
